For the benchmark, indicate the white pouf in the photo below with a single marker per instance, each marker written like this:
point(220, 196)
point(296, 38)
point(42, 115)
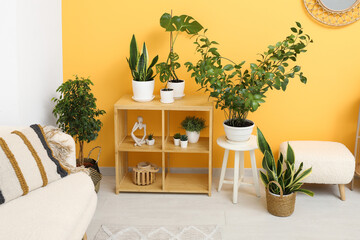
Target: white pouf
point(331, 162)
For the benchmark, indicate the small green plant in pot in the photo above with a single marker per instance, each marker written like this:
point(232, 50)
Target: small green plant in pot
point(281, 179)
point(177, 137)
point(150, 139)
point(167, 69)
point(142, 72)
point(238, 92)
point(76, 112)
point(183, 141)
point(193, 125)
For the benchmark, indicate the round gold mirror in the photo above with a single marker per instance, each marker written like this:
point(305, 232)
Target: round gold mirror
point(334, 12)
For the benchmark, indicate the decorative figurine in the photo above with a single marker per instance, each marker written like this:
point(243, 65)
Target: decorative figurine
point(138, 125)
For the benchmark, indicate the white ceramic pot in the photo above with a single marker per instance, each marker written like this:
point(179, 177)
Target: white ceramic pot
point(143, 90)
point(150, 142)
point(176, 142)
point(193, 137)
point(167, 96)
point(178, 88)
point(238, 134)
point(184, 144)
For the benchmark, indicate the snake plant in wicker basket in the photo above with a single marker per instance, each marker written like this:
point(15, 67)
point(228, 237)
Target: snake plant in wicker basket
point(282, 172)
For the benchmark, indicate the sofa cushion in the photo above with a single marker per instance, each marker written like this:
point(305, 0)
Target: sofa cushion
point(61, 210)
point(26, 163)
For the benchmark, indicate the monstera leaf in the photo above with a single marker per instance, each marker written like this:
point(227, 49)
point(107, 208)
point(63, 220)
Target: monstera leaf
point(183, 23)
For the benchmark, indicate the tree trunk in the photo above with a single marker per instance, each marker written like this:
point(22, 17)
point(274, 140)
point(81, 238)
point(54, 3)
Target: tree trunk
point(81, 153)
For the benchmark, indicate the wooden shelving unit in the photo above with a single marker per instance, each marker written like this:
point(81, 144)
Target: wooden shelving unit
point(166, 181)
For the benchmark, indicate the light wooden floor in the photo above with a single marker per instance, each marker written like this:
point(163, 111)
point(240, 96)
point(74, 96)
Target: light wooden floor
point(324, 216)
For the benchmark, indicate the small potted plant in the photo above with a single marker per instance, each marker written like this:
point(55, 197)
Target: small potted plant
point(143, 75)
point(150, 140)
point(167, 70)
point(177, 139)
point(193, 126)
point(281, 179)
point(167, 95)
point(238, 91)
point(184, 141)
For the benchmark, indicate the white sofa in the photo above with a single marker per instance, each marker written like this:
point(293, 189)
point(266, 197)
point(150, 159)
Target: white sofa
point(60, 211)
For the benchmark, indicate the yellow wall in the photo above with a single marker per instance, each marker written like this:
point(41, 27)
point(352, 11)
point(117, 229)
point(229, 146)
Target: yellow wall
point(96, 37)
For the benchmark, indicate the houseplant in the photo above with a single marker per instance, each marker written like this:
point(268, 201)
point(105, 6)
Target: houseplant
point(177, 139)
point(143, 75)
point(238, 91)
point(183, 141)
point(167, 69)
point(150, 140)
point(193, 125)
point(76, 112)
point(281, 179)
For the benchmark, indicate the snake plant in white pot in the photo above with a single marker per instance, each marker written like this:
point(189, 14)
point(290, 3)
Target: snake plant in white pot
point(143, 82)
point(281, 179)
point(238, 91)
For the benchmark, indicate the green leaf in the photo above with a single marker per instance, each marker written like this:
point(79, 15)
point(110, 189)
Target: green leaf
point(293, 30)
point(134, 54)
point(165, 22)
point(264, 178)
point(298, 24)
point(307, 192)
point(228, 67)
point(262, 143)
point(290, 155)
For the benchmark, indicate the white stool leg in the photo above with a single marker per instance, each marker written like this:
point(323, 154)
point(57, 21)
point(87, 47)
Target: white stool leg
point(254, 173)
point(223, 169)
point(241, 165)
point(236, 177)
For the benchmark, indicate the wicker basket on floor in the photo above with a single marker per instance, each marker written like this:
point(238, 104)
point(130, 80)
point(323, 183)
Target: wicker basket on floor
point(144, 173)
point(93, 166)
point(281, 206)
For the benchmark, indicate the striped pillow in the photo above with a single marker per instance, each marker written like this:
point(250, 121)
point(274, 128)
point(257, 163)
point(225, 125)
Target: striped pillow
point(26, 163)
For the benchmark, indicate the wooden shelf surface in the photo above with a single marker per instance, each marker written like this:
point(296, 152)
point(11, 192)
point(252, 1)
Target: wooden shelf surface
point(127, 185)
point(128, 146)
point(187, 103)
point(186, 183)
point(202, 146)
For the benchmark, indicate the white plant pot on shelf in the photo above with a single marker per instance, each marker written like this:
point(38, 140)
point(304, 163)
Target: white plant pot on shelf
point(167, 95)
point(183, 144)
point(178, 88)
point(193, 137)
point(177, 142)
point(143, 90)
point(238, 134)
point(150, 142)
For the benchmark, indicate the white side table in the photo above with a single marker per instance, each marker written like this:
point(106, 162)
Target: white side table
point(239, 149)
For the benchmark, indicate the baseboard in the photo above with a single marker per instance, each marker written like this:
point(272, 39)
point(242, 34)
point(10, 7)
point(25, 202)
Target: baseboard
point(110, 171)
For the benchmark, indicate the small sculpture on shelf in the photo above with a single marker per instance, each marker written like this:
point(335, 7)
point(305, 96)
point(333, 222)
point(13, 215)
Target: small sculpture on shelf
point(138, 125)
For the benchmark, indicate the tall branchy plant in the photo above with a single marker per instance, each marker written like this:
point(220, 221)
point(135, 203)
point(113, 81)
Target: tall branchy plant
point(138, 62)
point(175, 24)
point(76, 112)
point(238, 91)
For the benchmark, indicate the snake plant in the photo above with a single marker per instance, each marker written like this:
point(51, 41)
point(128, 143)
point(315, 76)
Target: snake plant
point(283, 171)
point(139, 62)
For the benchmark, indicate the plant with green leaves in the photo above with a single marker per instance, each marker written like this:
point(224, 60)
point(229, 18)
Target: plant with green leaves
point(76, 112)
point(177, 135)
point(183, 138)
point(282, 172)
point(193, 124)
point(150, 136)
point(176, 24)
point(138, 62)
point(238, 91)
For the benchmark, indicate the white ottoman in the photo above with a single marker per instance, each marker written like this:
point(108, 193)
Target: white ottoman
point(331, 162)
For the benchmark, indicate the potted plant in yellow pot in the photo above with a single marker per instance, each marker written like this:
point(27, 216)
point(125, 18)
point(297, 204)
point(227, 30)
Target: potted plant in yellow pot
point(282, 181)
point(238, 91)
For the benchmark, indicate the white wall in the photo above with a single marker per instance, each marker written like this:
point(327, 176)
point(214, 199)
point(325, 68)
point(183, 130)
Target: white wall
point(30, 60)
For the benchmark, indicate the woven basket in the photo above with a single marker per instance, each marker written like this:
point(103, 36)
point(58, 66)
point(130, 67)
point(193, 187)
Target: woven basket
point(144, 173)
point(93, 166)
point(281, 206)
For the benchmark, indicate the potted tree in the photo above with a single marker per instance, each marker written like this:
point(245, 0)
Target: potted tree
point(177, 139)
point(143, 75)
point(281, 179)
point(193, 126)
point(183, 141)
point(76, 112)
point(167, 69)
point(238, 91)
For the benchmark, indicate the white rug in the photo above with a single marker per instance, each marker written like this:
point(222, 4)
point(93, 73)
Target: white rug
point(203, 232)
